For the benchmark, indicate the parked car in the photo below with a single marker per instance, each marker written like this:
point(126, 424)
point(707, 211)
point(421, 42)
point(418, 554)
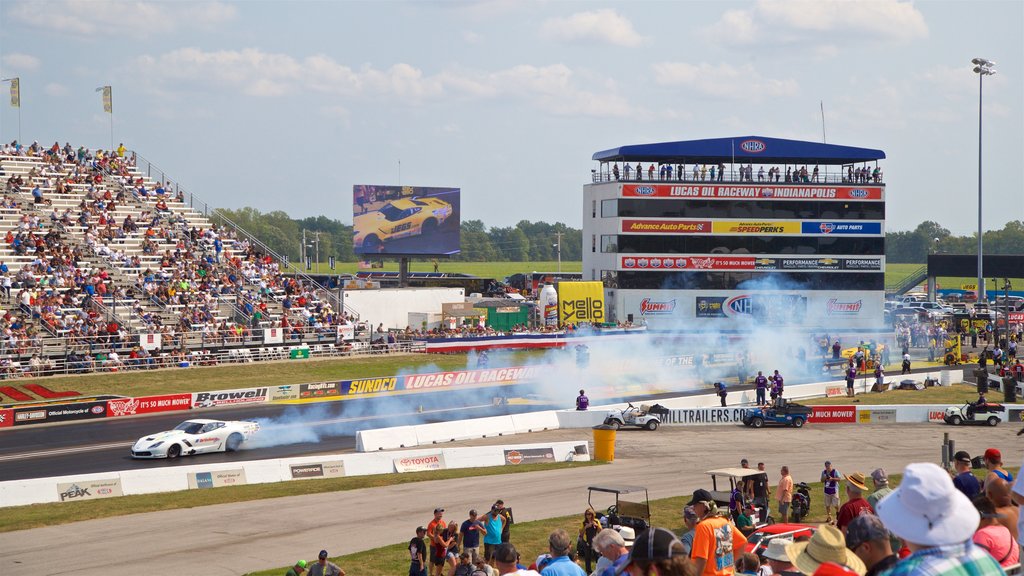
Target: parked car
point(758, 540)
point(781, 413)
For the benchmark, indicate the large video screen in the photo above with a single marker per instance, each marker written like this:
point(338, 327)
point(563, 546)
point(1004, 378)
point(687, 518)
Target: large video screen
point(405, 220)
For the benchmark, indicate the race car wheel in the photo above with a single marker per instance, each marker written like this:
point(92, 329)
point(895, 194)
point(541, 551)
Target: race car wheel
point(371, 242)
point(174, 451)
point(757, 422)
point(651, 425)
point(992, 421)
point(956, 420)
point(234, 441)
point(429, 226)
point(798, 423)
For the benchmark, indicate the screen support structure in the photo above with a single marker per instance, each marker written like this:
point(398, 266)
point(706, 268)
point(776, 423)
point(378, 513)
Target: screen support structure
point(403, 272)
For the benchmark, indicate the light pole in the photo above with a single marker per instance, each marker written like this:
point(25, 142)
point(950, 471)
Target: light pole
point(982, 68)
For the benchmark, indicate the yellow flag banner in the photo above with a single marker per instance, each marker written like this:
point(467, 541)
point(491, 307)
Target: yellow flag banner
point(108, 101)
point(580, 302)
point(16, 92)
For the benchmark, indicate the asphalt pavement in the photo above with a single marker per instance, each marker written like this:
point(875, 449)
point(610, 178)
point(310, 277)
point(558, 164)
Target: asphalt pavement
point(232, 539)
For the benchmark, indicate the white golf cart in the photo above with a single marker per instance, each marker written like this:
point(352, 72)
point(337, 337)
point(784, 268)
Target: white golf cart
point(647, 417)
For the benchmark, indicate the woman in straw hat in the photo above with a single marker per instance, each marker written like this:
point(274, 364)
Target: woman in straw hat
point(826, 545)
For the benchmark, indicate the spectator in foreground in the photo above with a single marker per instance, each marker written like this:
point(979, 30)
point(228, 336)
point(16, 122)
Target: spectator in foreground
point(324, 567)
point(937, 522)
point(778, 560)
point(881, 482)
point(560, 564)
point(965, 480)
point(826, 545)
point(690, 520)
point(855, 503)
point(614, 551)
point(992, 536)
point(994, 463)
point(297, 569)
point(506, 559)
point(418, 553)
point(657, 552)
point(715, 540)
point(999, 495)
point(867, 537)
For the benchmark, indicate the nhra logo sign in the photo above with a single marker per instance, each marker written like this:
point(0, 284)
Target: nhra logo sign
point(753, 146)
point(644, 190)
point(858, 193)
point(740, 305)
point(650, 307)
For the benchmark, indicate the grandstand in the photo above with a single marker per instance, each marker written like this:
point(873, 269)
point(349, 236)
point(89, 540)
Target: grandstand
point(104, 267)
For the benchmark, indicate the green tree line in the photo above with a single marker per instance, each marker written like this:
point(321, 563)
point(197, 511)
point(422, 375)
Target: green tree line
point(539, 241)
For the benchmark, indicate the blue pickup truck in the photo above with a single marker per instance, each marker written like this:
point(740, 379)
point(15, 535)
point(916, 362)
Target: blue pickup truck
point(780, 413)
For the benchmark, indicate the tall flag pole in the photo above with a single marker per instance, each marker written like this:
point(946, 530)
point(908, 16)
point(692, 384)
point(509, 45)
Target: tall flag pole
point(108, 107)
point(15, 99)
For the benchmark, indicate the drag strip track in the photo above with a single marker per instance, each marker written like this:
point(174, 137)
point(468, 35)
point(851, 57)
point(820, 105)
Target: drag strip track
point(103, 445)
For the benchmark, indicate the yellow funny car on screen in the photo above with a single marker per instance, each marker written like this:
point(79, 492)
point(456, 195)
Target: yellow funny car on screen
point(405, 220)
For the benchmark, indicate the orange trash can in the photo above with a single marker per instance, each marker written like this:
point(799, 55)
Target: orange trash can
point(604, 443)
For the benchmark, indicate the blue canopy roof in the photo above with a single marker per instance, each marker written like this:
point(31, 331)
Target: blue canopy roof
point(743, 149)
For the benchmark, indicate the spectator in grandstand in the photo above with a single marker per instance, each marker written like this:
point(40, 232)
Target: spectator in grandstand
point(855, 503)
point(559, 546)
point(715, 539)
point(880, 480)
point(867, 537)
point(324, 567)
point(936, 522)
point(993, 536)
point(784, 493)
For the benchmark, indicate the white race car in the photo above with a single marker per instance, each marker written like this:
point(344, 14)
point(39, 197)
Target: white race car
point(196, 437)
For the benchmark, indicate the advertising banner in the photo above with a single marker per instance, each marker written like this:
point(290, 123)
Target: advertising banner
point(67, 412)
point(149, 342)
point(580, 302)
point(755, 227)
point(937, 415)
point(149, 404)
point(883, 416)
point(346, 332)
point(273, 335)
point(285, 392)
point(89, 489)
point(529, 456)
point(420, 463)
point(216, 479)
point(320, 390)
point(229, 397)
point(633, 226)
point(711, 306)
point(866, 228)
point(833, 414)
point(405, 220)
point(705, 416)
point(6, 417)
point(334, 469)
point(751, 192)
point(835, 391)
point(672, 263)
point(472, 377)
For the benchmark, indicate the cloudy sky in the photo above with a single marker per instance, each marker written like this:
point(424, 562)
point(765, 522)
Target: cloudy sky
point(286, 105)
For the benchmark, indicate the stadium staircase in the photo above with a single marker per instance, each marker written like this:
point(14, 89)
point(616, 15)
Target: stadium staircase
point(912, 280)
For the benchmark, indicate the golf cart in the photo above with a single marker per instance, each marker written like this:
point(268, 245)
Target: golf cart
point(636, 515)
point(974, 414)
point(732, 478)
point(647, 417)
point(781, 413)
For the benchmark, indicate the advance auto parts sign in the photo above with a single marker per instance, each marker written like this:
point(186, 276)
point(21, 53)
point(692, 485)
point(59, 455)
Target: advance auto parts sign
point(229, 397)
point(318, 470)
point(89, 489)
point(420, 463)
point(529, 456)
point(216, 479)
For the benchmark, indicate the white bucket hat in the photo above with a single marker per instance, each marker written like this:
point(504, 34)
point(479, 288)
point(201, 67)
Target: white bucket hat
point(777, 549)
point(927, 509)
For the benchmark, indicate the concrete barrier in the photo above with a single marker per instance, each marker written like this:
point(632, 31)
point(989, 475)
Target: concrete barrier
point(535, 421)
point(441, 432)
point(168, 479)
point(386, 438)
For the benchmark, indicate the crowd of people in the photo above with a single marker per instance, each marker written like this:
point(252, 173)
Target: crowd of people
point(936, 522)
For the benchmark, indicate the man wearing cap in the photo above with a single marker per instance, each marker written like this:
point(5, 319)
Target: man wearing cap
point(855, 502)
point(778, 560)
point(506, 560)
point(867, 537)
point(657, 551)
point(418, 553)
point(965, 480)
point(881, 481)
point(324, 567)
point(714, 538)
point(612, 546)
point(469, 533)
point(936, 522)
point(560, 564)
point(690, 520)
point(494, 523)
point(506, 513)
point(830, 478)
point(434, 529)
point(297, 569)
point(826, 545)
point(994, 463)
point(762, 491)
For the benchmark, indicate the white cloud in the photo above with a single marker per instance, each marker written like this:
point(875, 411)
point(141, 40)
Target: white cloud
point(20, 61)
point(470, 37)
point(108, 18)
point(723, 80)
point(602, 26)
point(253, 72)
point(772, 21)
point(55, 89)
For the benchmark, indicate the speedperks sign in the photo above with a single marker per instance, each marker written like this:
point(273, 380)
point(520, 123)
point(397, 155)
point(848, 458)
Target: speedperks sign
point(705, 416)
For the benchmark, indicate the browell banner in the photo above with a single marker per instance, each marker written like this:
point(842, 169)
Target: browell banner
point(149, 404)
point(230, 397)
point(420, 463)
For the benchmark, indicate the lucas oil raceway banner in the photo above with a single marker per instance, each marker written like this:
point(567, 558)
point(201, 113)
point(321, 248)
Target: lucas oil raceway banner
point(752, 192)
point(670, 263)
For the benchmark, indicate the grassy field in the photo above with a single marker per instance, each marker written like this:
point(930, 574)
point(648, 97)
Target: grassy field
point(951, 395)
point(530, 538)
point(496, 270)
point(895, 273)
point(38, 515)
point(198, 379)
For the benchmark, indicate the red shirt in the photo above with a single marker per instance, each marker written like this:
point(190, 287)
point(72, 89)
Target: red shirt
point(851, 510)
